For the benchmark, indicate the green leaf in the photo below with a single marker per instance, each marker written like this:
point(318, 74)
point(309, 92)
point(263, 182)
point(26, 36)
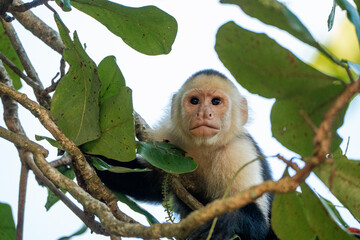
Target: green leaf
point(8, 50)
point(117, 139)
point(117, 129)
point(290, 128)
point(75, 104)
point(103, 166)
point(331, 208)
point(331, 16)
point(7, 225)
point(319, 219)
point(352, 15)
point(288, 218)
point(148, 30)
point(166, 156)
point(64, 5)
point(77, 233)
point(52, 198)
point(111, 78)
point(345, 184)
point(263, 67)
point(52, 142)
point(135, 207)
point(277, 14)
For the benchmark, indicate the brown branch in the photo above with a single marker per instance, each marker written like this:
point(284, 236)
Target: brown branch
point(26, 6)
point(64, 160)
point(182, 229)
point(25, 61)
point(40, 29)
point(12, 121)
point(142, 129)
point(322, 139)
point(308, 121)
point(16, 70)
point(93, 183)
point(24, 172)
point(289, 163)
point(184, 195)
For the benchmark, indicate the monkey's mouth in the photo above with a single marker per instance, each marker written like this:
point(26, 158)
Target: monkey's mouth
point(204, 130)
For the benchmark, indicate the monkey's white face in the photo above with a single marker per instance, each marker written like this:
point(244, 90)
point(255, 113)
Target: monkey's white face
point(205, 109)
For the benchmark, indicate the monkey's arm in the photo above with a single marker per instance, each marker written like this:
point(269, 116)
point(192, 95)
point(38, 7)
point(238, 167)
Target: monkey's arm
point(143, 186)
point(247, 222)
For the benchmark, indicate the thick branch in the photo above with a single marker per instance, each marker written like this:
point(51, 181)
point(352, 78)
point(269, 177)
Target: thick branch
point(142, 129)
point(39, 28)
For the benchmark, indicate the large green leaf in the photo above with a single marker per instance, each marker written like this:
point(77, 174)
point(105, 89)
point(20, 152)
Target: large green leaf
point(166, 156)
point(288, 218)
point(8, 50)
point(75, 104)
point(263, 67)
point(117, 139)
point(277, 14)
point(148, 30)
point(319, 219)
point(345, 184)
point(7, 225)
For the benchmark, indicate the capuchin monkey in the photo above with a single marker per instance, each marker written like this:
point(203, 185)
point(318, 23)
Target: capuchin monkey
point(207, 121)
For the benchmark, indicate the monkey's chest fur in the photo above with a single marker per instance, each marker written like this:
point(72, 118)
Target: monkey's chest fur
point(217, 167)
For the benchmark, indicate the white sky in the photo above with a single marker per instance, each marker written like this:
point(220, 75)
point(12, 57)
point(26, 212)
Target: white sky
point(153, 80)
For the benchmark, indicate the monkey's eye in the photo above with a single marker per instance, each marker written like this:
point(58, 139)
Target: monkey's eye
point(215, 101)
point(194, 100)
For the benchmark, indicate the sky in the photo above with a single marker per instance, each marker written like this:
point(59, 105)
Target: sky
point(153, 80)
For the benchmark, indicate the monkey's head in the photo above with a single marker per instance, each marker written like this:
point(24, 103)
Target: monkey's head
point(208, 110)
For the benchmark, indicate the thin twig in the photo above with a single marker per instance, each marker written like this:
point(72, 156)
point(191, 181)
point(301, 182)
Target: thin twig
point(308, 121)
point(16, 70)
point(12, 122)
point(349, 74)
point(26, 6)
point(24, 172)
point(290, 163)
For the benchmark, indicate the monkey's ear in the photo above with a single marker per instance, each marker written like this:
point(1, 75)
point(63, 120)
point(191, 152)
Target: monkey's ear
point(244, 111)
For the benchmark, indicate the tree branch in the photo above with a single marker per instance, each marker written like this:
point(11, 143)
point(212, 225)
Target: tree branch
point(26, 6)
point(92, 181)
point(40, 29)
point(25, 61)
point(13, 123)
